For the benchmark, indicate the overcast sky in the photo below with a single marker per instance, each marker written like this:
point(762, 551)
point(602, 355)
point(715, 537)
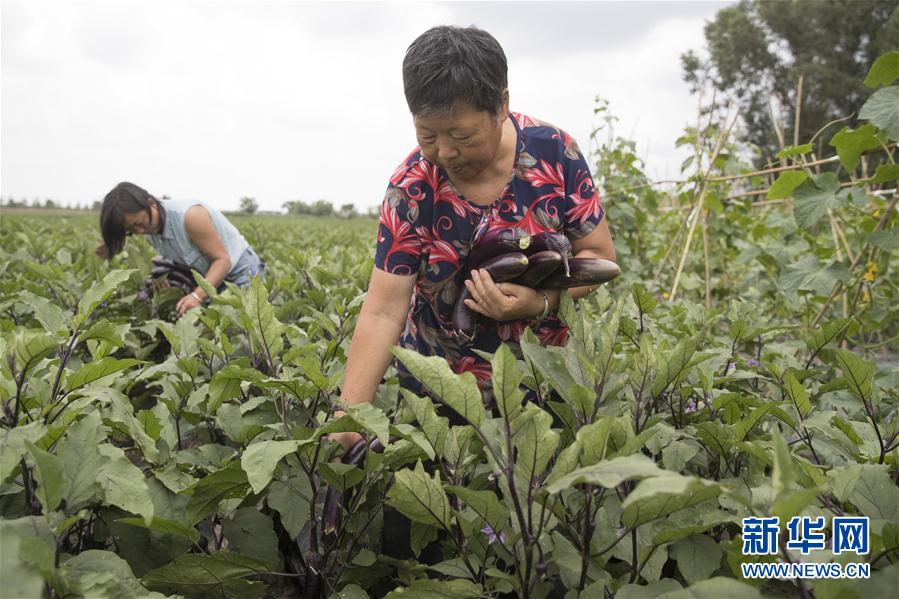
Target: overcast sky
point(296, 100)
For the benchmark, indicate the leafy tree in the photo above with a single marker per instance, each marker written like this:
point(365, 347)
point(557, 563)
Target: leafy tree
point(348, 211)
point(322, 208)
point(248, 205)
point(758, 49)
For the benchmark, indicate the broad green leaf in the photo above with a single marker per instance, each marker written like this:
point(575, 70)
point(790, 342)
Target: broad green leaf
point(104, 574)
point(485, 504)
point(459, 392)
point(785, 184)
point(875, 494)
point(123, 484)
point(831, 330)
point(610, 473)
point(662, 495)
point(550, 363)
point(784, 472)
point(648, 591)
point(697, 557)
point(429, 588)
point(372, 419)
point(209, 492)
point(291, 495)
point(715, 588)
point(53, 318)
point(884, 174)
point(47, 471)
point(808, 274)
point(98, 293)
point(31, 347)
point(851, 144)
point(672, 364)
point(169, 527)
point(79, 454)
point(341, 476)
point(792, 501)
point(94, 371)
point(608, 332)
point(797, 393)
point(260, 460)
point(13, 446)
point(676, 454)
point(104, 330)
point(813, 198)
point(882, 110)
point(566, 461)
point(221, 574)
point(645, 301)
point(225, 384)
point(884, 71)
point(265, 329)
point(858, 374)
point(690, 522)
point(506, 381)
point(435, 428)
point(251, 533)
point(20, 579)
point(420, 497)
point(205, 285)
point(535, 443)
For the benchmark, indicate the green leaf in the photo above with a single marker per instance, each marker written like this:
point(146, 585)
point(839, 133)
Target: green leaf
point(832, 329)
point(645, 301)
point(808, 274)
point(887, 239)
point(259, 313)
point(81, 461)
point(54, 319)
point(98, 293)
point(662, 495)
point(94, 371)
point(795, 150)
point(485, 504)
point(435, 428)
point(851, 144)
point(205, 285)
point(341, 476)
point(165, 526)
point(251, 533)
point(884, 174)
point(260, 460)
point(813, 198)
point(459, 392)
point(104, 330)
point(13, 447)
point(715, 588)
point(882, 110)
point(672, 364)
point(20, 579)
point(784, 472)
point(797, 393)
point(875, 494)
point(535, 443)
point(697, 557)
point(506, 383)
point(429, 588)
point(290, 495)
point(372, 419)
point(47, 471)
point(31, 347)
point(209, 492)
point(103, 574)
point(420, 497)
point(123, 483)
point(225, 384)
point(884, 71)
point(785, 184)
point(858, 373)
point(610, 473)
point(648, 591)
point(220, 575)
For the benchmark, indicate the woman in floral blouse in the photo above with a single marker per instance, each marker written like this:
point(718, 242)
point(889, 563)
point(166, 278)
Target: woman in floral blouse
point(478, 167)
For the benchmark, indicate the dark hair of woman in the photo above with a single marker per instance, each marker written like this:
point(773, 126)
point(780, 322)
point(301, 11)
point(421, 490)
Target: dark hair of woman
point(448, 65)
point(125, 198)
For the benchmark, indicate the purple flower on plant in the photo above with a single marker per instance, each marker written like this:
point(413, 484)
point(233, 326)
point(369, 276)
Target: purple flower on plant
point(731, 366)
point(143, 296)
point(690, 407)
point(753, 363)
point(492, 537)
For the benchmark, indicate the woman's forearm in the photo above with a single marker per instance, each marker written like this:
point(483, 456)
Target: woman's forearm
point(217, 272)
point(369, 355)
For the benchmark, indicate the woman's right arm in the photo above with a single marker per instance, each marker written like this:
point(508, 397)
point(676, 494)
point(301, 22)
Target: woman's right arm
point(378, 328)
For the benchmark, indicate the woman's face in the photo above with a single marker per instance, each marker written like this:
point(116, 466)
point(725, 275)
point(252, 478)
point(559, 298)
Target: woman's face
point(141, 223)
point(463, 143)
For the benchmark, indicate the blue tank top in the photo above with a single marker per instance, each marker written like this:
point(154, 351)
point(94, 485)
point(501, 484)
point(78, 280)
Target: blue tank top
point(174, 243)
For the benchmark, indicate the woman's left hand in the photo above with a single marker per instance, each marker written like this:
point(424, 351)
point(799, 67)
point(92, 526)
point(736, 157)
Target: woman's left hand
point(188, 302)
point(502, 301)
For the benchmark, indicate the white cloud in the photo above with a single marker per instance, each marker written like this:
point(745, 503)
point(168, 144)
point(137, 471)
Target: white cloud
point(298, 100)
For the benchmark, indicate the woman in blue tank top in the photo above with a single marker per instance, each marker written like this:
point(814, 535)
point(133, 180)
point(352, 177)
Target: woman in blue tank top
point(188, 232)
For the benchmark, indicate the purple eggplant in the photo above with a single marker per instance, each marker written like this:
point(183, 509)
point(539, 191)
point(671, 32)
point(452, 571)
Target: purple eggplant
point(584, 271)
point(540, 266)
point(501, 269)
point(332, 511)
point(494, 243)
point(551, 240)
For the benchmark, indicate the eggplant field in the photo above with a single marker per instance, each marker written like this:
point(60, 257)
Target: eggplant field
point(742, 368)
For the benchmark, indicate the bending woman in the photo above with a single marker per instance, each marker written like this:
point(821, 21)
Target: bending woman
point(188, 232)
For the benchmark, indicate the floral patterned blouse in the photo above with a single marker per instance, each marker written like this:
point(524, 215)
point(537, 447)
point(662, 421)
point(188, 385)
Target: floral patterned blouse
point(427, 229)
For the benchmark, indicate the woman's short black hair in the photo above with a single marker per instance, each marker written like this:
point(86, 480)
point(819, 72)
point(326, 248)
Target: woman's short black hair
point(125, 198)
point(448, 65)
